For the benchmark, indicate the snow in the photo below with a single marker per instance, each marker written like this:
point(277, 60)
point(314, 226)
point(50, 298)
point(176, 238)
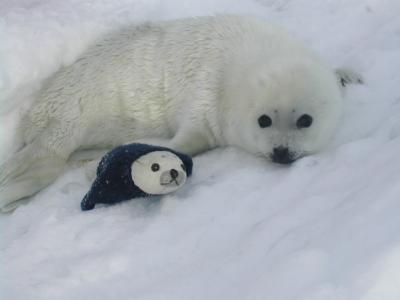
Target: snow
point(241, 228)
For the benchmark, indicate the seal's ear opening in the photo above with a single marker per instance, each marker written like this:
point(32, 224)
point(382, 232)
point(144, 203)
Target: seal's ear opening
point(347, 76)
point(187, 161)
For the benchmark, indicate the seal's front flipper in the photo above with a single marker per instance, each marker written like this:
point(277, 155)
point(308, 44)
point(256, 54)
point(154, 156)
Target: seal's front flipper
point(190, 141)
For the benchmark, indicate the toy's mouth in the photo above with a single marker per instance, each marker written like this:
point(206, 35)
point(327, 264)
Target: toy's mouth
point(172, 178)
point(172, 182)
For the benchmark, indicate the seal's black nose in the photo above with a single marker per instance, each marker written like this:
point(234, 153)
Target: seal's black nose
point(174, 173)
point(282, 155)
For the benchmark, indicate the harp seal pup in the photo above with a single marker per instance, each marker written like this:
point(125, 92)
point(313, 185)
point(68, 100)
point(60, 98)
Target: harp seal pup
point(191, 84)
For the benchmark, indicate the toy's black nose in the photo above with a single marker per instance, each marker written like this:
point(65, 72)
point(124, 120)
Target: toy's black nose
point(174, 173)
point(282, 155)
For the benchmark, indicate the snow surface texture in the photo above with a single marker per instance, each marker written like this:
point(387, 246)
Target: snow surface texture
point(326, 227)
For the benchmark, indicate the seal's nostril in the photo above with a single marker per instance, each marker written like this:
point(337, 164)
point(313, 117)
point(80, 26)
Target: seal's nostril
point(282, 155)
point(174, 173)
point(281, 152)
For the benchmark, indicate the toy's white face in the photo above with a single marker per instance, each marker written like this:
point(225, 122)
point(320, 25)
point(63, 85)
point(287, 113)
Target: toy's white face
point(158, 172)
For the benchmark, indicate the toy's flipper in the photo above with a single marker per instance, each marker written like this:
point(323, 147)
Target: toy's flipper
point(86, 204)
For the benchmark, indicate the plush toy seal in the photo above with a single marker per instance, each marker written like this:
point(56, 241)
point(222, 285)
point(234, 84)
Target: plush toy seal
point(137, 170)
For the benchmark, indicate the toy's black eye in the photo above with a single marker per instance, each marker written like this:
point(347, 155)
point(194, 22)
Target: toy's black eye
point(183, 167)
point(155, 167)
point(304, 121)
point(264, 121)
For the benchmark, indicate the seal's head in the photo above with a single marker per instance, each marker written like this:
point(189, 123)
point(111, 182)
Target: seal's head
point(283, 110)
point(158, 172)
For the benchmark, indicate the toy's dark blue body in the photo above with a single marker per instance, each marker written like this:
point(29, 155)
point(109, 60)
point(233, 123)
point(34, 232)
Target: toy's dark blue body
point(114, 179)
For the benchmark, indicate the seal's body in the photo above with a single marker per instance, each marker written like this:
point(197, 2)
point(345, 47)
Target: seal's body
point(194, 83)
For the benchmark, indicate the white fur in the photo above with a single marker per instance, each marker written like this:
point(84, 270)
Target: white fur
point(193, 84)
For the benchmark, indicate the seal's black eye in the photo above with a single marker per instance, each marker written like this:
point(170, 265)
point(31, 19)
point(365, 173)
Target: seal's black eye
point(264, 121)
point(183, 167)
point(155, 167)
point(304, 121)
